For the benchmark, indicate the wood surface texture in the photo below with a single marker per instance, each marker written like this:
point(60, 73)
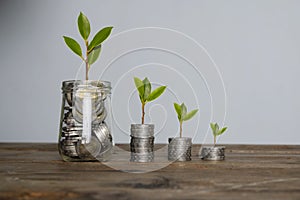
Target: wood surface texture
point(36, 171)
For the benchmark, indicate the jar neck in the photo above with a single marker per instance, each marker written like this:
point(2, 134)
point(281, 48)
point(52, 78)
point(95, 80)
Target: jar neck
point(69, 86)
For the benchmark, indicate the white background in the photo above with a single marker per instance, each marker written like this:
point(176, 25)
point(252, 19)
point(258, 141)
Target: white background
point(255, 45)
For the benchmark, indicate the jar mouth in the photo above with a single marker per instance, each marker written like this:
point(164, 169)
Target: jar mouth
point(96, 83)
point(69, 85)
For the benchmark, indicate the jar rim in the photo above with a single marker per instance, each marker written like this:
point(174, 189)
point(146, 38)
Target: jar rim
point(104, 84)
point(70, 84)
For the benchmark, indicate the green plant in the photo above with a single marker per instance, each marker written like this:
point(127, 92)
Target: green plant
point(145, 94)
point(93, 48)
point(183, 115)
point(217, 131)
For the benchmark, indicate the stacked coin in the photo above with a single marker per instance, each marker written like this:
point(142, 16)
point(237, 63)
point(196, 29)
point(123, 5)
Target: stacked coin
point(179, 149)
point(213, 153)
point(105, 138)
point(142, 142)
point(71, 144)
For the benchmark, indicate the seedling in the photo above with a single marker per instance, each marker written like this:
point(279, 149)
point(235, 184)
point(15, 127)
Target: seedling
point(182, 114)
point(93, 48)
point(145, 94)
point(216, 131)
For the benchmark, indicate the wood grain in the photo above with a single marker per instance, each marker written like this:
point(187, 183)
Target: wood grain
point(35, 171)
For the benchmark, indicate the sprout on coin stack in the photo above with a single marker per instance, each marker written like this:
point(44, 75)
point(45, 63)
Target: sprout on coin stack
point(84, 134)
point(142, 135)
point(180, 148)
point(214, 152)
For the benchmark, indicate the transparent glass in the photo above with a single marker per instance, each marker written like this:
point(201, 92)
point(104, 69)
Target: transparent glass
point(85, 122)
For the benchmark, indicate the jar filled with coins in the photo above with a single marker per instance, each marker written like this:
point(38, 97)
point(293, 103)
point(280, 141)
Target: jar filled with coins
point(85, 122)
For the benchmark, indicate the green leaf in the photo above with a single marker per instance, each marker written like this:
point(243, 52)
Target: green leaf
point(212, 126)
point(217, 127)
point(147, 88)
point(94, 55)
point(190, 115)
point(183, 111)
point(100, 37)
point(156, 93)
point(178, 110)
point(140, 87)
point(83, 26)
point(222, 131)
point(73, 45)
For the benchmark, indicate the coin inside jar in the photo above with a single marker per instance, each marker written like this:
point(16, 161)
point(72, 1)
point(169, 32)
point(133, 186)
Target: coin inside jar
point(89, 150)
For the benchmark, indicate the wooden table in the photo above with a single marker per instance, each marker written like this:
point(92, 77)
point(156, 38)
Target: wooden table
point(35, 171)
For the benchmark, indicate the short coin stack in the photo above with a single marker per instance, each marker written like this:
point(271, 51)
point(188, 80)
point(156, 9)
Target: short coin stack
point(213, 153)
point(142, 143)
point(179, 149)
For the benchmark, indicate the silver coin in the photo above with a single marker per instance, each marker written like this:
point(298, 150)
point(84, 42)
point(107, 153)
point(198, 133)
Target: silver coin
point(142, 126)
point(142, 157)
point(71, 122)
point(73, 138)
point(71, 134)
point(141, 150)
point(182, 139)
point(102, 132)
point(69, 97)
point(142, 140)
point(95, 119)
point(181, 143)
point(141, 160)
point(180, 158)
point(213, 153)
point(69, 108)
point(142, 130)
point(70, 154)
point(179, 149)
point(89, 150)
point(106, 147)
point(141, 146)
point(69, 142)
point(74, 129)
point(145, 155)
point(69, 148)
point(67, 88)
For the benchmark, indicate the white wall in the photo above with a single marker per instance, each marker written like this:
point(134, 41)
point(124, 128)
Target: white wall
point(255, 45)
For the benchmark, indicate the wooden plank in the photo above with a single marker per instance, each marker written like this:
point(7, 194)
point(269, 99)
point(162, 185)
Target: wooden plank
point(35, 171)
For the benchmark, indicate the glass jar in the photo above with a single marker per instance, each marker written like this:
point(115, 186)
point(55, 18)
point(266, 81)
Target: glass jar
point(85, 121)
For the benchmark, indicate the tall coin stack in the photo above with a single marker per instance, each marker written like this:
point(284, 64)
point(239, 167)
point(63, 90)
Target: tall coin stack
point(142, 142)
point(71, 146)
point(180, 149)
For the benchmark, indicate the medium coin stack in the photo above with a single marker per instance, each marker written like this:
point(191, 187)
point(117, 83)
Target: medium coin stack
point(179, 149)
point(213, 153)
point(142, 142)
point(70, 144)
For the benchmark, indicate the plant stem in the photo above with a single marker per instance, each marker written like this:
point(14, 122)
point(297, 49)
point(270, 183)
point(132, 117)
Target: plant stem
point(143, 113)
point(87, 61)
point(215, 140)
point(86, 69)
point(180, 128)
